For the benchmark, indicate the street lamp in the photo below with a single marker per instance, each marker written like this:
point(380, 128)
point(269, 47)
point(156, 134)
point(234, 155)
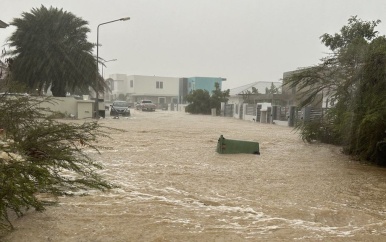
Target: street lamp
point(97, 62)
point(106, 62)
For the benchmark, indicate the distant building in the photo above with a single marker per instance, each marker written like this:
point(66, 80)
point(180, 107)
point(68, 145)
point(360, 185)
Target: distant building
point(160, 90)
point(294, 96)
point(242, 93)
point(134, 88)
point(189, 84)
point(204, 83)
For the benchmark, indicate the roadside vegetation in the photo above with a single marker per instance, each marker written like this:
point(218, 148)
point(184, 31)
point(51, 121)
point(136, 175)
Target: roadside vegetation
point(42, 158)
point(201, 102)
point(353, 76)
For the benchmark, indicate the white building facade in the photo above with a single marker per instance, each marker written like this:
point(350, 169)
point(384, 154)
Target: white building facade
point(134, 88)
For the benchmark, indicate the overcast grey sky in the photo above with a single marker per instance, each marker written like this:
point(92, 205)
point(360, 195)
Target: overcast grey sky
point(243, 41)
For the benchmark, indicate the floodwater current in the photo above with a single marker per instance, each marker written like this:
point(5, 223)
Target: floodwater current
point(173, 186)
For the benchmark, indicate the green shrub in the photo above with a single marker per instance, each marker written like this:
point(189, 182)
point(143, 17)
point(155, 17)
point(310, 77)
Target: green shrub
point(35, 153)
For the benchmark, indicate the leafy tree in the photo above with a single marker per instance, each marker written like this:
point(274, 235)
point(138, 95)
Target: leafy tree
point(353, 76)
point(39, 155)
point(272, 90)
point(218, 97)
point(371, 103)
point(246, 96)
point(199, 102)
point(50, 49)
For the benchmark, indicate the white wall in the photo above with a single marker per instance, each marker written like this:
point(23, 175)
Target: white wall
point(245, 116)
point(62, 104)
point(118, 76)
point(70, 105)
point(264, 106)
point(146, 85)
point(237, 110)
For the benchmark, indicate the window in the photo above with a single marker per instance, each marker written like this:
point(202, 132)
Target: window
point(131, 83)
point(160, 85)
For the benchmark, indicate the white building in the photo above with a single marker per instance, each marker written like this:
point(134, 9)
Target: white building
point(134, 88)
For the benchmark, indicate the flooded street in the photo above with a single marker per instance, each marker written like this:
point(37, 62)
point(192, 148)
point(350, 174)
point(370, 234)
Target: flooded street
point(175, 187)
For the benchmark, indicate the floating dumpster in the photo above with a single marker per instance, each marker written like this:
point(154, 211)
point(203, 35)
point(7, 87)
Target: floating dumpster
point(229, 146)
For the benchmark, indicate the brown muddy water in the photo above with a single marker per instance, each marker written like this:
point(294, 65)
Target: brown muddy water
point(175, 187)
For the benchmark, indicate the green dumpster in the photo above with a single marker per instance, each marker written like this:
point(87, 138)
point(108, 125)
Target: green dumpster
point(229, 146)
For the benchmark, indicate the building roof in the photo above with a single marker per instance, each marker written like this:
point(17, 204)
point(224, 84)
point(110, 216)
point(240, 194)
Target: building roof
point(206, 77)
point(260, 86)
point(3, 25)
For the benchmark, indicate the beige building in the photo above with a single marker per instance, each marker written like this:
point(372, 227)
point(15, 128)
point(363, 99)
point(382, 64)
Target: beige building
point(134, 88)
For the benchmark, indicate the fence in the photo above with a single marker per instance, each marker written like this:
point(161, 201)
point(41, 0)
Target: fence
point(265, 113)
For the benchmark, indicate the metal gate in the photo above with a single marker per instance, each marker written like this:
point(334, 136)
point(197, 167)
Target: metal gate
point(258, 112)
point(228, 110)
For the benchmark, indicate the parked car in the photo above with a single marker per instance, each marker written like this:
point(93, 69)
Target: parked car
point(146, 105)
point(120, 108)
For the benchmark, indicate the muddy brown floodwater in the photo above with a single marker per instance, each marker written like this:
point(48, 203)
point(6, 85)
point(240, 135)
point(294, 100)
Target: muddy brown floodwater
point(175, 187)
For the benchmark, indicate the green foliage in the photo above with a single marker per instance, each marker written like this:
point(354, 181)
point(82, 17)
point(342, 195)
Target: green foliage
point(50, 49)
point(200, 102)
point(321, 130)
point(356, 29)
point(39, 155)
point(246, 96)
point(272, 90)
point(218, 97)
point(354, 79)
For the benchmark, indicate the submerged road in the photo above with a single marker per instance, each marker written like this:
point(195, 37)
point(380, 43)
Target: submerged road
point(175, 187)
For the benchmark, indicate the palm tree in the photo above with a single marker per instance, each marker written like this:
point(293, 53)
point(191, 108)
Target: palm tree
point(50, 50)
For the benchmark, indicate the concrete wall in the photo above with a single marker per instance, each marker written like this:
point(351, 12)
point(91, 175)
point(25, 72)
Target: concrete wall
point(246, 116)
point(66, 105)
point(69, 105)
point(147, 85)
point(237, 110)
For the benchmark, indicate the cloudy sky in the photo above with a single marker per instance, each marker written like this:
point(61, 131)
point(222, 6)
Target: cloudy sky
point(243, 41)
